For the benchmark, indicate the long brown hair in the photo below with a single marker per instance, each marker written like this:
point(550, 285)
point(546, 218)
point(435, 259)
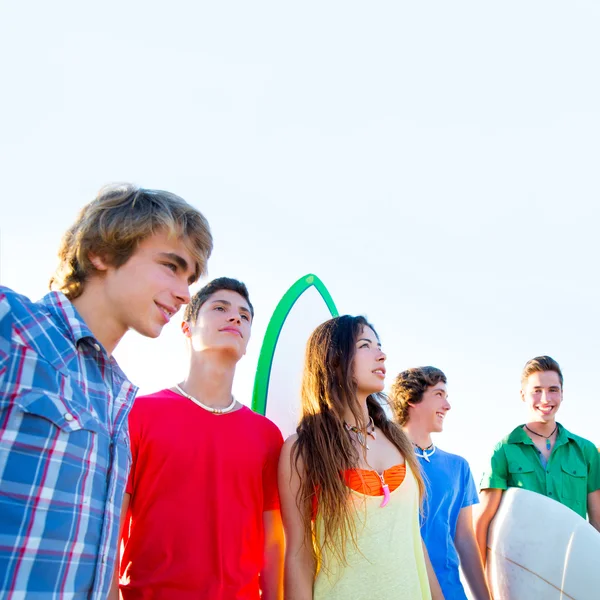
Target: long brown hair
point(323, 444)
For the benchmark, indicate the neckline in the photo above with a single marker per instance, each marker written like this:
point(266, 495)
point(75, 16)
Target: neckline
point(206, 412)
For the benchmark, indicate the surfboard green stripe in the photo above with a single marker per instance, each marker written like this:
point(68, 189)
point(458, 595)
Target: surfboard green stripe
point(267, 351)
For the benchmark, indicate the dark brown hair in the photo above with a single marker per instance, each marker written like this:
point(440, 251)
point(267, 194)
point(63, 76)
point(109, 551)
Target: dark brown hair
point(323, 444)
point(221, 283)
point(539, 364)
point(409, 387)
point(116, 221)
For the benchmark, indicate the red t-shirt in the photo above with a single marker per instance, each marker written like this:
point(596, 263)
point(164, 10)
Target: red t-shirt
point(199, 484)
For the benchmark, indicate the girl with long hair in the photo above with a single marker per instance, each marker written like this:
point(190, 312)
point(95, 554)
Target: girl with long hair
point(349, 482)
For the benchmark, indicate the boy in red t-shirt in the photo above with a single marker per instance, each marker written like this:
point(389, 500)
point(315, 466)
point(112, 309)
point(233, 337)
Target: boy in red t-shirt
point(201, 510)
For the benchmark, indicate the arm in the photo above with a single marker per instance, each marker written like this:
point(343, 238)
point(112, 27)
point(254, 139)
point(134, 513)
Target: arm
point(593, 497)
point(489, 502)
point(114, 590)
point(299, 569)
point(434, 584)
point(468, 551)
point(271, 576)
point(593, 508)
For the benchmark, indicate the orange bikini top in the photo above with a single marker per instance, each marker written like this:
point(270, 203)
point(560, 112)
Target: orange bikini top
point(369, 482)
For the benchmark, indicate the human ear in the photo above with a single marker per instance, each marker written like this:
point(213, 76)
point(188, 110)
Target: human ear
point(97, 261)
point(186, 329)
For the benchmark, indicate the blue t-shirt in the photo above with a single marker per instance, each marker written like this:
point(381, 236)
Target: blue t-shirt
point(450, 487)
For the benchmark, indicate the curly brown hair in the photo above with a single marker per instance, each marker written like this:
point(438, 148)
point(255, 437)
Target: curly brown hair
point(409, 387)
point(323, 445)
point(115, 222)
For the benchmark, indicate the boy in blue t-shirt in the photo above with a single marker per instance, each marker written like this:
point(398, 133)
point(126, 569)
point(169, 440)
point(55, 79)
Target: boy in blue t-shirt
point(419, 400)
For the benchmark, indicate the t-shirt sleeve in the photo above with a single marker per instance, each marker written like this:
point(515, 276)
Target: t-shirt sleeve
point(270, 489)
point(470, 496)
point(496, 474)
point(594, 470)
point(133, 423)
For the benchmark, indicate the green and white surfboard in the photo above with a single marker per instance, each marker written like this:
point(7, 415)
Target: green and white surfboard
point(276, 394)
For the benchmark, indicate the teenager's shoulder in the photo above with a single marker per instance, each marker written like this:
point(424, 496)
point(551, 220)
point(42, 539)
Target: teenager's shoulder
point(148, 403)
point(43, 325)
point(159, 396)
point(260, 421)
point(455, 460)
point(585, 444)
point(450, 456)
point(13, 306)
point(514, 436)
point(9, 296)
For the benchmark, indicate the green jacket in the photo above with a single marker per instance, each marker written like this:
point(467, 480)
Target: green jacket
point(572, 472)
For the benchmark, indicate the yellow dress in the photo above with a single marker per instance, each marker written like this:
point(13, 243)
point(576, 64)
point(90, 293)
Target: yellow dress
point(389, 563)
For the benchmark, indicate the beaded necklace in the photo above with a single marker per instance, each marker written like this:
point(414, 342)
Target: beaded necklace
point(211, 409)
point(360, 433)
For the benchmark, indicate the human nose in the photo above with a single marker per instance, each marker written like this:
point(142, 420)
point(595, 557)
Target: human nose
point(447, 405)
point(234, 317)
point(182, 293)
point(382, 355)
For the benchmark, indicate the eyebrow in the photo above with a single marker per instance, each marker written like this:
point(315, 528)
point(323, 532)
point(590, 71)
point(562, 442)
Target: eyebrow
point(180, 262)
point(368, 340)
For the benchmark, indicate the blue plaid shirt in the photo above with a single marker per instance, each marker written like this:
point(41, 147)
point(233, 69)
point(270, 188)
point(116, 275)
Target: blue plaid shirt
point(64, 452)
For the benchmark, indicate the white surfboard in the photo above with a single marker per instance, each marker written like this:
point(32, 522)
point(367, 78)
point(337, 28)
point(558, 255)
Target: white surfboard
point(539, 549)
point(276, 394)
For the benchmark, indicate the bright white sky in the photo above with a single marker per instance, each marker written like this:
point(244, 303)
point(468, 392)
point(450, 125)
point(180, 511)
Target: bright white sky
point(435, 163)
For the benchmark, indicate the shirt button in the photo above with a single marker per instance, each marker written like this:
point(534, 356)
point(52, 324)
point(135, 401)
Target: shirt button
point(520, 468)
point(97, 346)
point(549, 493)
point(68, 417)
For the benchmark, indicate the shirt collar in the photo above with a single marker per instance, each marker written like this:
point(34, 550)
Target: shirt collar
point(67, 317)
point(519, 436)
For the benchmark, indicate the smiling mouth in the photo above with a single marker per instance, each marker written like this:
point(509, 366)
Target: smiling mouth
point(168, 313)
point(380, 372)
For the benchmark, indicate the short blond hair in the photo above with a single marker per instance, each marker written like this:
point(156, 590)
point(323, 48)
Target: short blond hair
point(116, 221)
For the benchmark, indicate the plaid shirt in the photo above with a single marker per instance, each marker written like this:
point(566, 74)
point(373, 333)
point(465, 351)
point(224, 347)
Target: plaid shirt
point(64, 452)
